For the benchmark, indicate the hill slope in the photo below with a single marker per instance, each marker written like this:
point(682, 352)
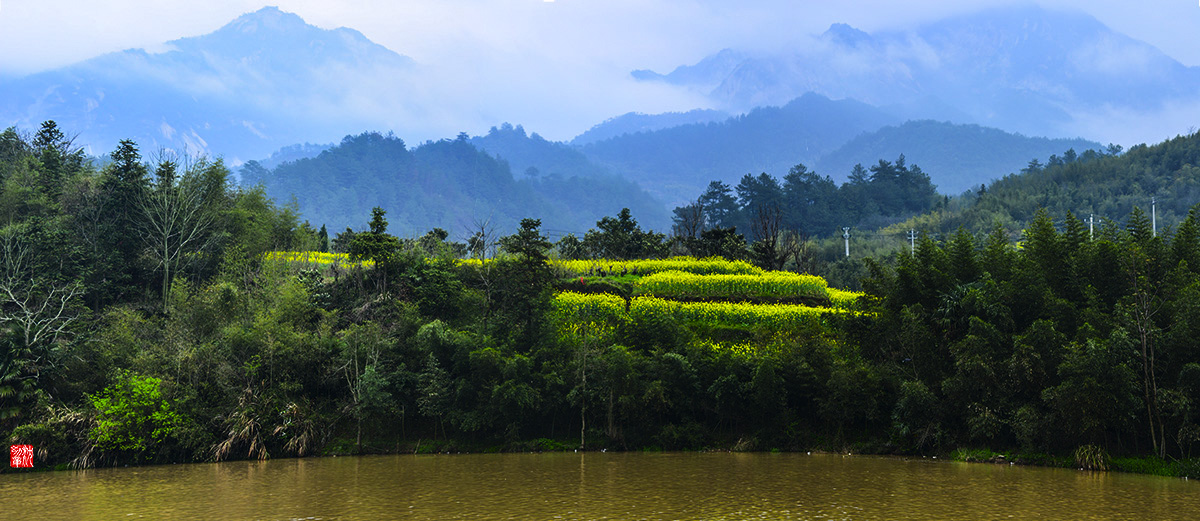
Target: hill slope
point(677, 163)
point(956, 157)
point(448, 184)
point(533, 156)
point(1106, 186)
point(634, 122)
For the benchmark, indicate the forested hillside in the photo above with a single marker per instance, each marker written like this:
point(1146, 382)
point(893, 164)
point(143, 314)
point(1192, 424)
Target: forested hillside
point(1106, 185)
point(448, 184)
point(831, 137)
point(532, 156)
point(958, 157)
point(677, 162)
point(810, 204)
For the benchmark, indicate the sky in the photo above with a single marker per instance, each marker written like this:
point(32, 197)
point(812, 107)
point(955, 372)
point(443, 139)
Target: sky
point(511, 56)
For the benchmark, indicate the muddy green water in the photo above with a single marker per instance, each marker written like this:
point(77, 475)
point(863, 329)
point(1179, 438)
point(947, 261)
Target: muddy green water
point(595, 486)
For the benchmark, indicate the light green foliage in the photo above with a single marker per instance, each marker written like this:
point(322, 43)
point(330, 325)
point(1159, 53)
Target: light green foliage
point(132, 416)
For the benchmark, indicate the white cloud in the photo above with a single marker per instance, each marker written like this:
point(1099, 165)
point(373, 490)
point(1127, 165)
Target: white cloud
point(556, 67)
point(1128, 127)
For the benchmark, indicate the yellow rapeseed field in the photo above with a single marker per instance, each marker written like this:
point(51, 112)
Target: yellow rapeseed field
point(319, 259)
point(777, 284)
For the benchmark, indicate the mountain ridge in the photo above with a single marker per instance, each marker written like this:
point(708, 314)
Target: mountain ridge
point(236, 92)
point(1023, 69)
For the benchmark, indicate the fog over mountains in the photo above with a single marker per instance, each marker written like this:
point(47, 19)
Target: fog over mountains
point(983, 86)
point(262, 82)
point(1028, 70)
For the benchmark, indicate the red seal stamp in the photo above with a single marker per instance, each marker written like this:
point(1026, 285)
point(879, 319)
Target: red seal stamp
point(20, 456)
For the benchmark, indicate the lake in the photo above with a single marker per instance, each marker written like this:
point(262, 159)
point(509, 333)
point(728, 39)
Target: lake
point(716, 486)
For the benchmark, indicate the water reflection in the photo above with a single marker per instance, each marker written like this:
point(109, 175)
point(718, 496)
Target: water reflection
point(595, 486)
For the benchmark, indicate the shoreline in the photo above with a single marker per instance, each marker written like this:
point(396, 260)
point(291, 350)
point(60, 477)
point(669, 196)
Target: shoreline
point(1145, 465)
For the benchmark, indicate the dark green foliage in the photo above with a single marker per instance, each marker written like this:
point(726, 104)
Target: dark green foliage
point(809, 204)
point(618, 238)
point(376, 244)
point(525, 278)
point(1061, 342)
point(718, 206)
point(1057, 341)
point(1105, 184)
point(718, 242)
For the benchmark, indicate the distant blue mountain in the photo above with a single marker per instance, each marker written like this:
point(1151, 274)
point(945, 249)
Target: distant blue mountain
point(956, 157)
point(634, 122)
point(830, 137)
point(1022, 69)
point(264, 81)
point(675, 164)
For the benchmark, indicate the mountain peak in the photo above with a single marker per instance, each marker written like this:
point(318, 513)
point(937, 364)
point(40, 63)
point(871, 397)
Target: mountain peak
point(276, 39)
point(846, 35)
point(269, 18)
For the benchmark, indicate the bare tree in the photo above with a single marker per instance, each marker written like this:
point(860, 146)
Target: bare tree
point(1142, 307)
point(175, 222)
point(689, 220)
point(42, 315)
point(362, 347)
point(795, 245)
point(39, 312)
point(482, 245)
point(765, 228)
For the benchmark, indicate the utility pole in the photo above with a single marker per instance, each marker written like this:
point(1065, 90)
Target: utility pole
point(1154, 217)
point(846, 237)
point(1091, 226)
point(912, 242)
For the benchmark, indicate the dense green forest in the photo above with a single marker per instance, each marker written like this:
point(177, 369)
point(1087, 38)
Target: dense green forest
point(1104, 185)
point(811, 204)
point(143, 318)
point(448, 184)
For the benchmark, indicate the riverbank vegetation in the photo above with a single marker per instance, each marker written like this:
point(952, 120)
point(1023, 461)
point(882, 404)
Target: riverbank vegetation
point(154, 312)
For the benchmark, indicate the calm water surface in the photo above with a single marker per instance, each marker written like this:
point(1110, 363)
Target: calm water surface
point(595, 486)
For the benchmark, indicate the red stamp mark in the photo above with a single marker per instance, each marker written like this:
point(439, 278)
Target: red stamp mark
point(20, 456)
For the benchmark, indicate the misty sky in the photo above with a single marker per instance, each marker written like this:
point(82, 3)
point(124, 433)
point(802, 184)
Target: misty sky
point(555, 66)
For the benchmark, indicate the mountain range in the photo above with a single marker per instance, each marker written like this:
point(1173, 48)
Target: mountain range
point(949, 95)
point(1025, 69)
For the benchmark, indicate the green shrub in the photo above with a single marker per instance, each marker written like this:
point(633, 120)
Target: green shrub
point(132, 416)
